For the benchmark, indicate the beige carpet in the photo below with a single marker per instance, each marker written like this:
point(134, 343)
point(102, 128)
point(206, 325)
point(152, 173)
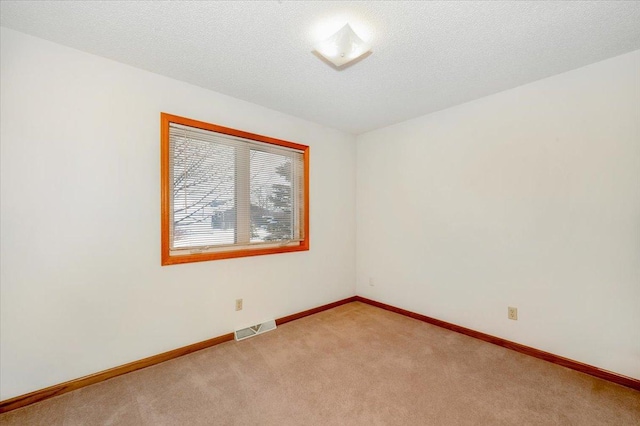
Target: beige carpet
point(352, 365)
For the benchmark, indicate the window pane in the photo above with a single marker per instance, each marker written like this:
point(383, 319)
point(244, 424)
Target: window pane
point(227, 193)
point(272, 204)
point(203, 192)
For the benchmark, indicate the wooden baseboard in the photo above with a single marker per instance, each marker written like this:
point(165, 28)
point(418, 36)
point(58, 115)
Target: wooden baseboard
point(55, 390)
point(527, 350)
point(62, 388)
point(308, 312)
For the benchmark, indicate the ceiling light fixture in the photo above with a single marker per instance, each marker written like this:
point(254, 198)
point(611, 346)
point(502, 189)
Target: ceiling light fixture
point(342, 47)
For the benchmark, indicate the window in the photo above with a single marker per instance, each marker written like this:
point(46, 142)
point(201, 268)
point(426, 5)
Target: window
point(228, 193)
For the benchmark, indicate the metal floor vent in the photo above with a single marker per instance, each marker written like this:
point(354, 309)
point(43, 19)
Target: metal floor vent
point(255, 330)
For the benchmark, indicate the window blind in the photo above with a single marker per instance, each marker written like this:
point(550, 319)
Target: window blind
point(227, 191)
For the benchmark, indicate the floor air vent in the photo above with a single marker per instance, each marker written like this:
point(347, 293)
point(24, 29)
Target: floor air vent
point(255, 330)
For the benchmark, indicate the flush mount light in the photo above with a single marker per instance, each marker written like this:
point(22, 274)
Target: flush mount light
point(342, 47)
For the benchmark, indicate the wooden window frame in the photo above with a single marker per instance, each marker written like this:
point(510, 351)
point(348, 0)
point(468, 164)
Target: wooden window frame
point(165, 188)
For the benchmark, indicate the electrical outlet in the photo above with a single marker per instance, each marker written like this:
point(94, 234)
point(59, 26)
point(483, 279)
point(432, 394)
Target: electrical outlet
point(512, 313)
point(238, 304)
point(371, 283)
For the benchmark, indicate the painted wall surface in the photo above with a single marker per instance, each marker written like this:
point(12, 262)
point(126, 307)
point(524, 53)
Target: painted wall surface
point(82, 289)
point(527, 198)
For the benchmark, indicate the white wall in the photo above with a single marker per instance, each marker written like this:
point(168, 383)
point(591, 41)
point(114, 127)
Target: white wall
point(82, 288)
point(527, 198)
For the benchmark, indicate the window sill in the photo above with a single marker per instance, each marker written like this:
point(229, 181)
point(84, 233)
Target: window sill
point(168, 259)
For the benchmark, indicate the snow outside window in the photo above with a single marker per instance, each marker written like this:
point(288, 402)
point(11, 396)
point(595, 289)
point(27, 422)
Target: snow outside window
point(228, 193)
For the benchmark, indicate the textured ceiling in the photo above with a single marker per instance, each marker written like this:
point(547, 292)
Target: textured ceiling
point(426, 55)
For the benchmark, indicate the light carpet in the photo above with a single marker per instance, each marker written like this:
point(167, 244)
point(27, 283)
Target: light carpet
point(351, 365)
